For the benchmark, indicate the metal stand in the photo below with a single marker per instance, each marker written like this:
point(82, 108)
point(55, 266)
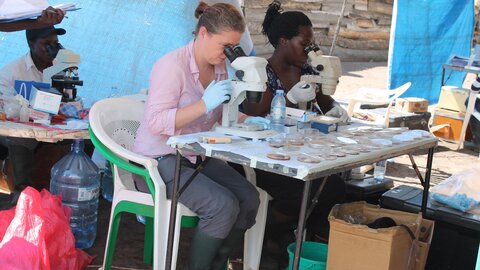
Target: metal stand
point(304, 215)
point(174, 200)
point(301, 224)
point(426, 185)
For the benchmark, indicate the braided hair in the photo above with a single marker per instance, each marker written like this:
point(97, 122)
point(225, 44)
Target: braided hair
point(278, 25)
point(219, 17)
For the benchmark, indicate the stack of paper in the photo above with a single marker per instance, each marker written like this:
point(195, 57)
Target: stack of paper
point(14, 10)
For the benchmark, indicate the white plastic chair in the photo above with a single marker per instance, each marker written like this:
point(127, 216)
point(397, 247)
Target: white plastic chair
point(113, 126)
point(375, 96)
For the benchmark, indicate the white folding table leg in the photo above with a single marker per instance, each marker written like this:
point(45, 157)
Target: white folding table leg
point(471, 104)
point(252, 249)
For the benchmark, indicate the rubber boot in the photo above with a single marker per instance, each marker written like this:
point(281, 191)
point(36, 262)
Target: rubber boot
point(228, 245)
point(202, 251)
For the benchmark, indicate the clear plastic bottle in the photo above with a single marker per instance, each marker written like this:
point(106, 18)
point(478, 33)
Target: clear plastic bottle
point(24, 114)
point(77, 179)
point(379, 170)
point(278, 111)
point(107, 182)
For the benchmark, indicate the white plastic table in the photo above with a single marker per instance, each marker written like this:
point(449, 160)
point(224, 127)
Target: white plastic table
point(252, 154)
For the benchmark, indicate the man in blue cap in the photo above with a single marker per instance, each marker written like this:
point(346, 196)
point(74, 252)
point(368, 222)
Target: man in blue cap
point(44, 46)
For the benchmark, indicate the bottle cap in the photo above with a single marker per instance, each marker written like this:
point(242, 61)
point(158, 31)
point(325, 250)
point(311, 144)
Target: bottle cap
point(279, 91)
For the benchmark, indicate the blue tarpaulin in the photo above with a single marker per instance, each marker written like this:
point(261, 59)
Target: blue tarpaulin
point(425, 34)
point(118, 41)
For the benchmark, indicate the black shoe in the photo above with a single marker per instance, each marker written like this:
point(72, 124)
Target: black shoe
point(8, 201)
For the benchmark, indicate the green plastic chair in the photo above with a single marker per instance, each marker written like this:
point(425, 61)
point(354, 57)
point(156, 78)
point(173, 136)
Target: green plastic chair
point(113, 126)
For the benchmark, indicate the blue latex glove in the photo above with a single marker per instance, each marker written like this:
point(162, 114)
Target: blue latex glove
point(216, 93)
point(257, 120)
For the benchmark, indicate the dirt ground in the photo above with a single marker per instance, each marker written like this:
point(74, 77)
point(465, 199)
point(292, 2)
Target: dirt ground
point(447, 161)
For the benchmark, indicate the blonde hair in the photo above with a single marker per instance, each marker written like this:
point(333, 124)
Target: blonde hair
point(219, 17)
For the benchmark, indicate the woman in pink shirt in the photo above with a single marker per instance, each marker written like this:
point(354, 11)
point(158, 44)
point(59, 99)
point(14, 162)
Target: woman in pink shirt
point(187, 87)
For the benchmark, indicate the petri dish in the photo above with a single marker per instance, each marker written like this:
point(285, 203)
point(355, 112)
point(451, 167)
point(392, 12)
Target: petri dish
point(277, 141)
point(381, 142)
point(295, 139)
point(309, 159)
point(278, 156)
point(420, 132)
point(401, 138)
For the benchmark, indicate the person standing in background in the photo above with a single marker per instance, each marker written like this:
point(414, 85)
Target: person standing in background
point(50, 16)
point(475, 119)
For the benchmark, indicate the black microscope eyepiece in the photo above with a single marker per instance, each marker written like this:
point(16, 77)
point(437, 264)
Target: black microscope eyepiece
point(232, 52)
point(312, 47)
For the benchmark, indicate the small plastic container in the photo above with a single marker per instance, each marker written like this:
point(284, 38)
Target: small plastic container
point(309, 132)
point(295, 139)
point(290, 149)
point(379, 170)
point(316, 143)
point(314, 256)
point(277, 141)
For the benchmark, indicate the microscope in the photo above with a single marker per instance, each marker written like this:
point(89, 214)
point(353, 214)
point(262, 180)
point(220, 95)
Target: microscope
point(63, 74)
point(249, 83)
point(328, 68)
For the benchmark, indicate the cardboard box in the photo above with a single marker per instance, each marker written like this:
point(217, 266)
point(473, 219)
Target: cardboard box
point(453, 98)
point(45, 100)
point(300, 115)
point(423, 242)
point(325, 124)
point(450, 124)
point(38, 115)
point(411, 105)
point(24, 88)
point(355, 246)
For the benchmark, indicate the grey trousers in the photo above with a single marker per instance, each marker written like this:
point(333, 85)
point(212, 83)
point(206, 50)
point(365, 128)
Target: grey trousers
point(21, 153)
point(221, 197)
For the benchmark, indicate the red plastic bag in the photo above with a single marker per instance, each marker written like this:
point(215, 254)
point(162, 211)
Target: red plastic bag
point(39, 235)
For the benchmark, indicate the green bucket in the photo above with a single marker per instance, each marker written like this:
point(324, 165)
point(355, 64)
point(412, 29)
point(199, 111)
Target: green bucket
point(313, 257)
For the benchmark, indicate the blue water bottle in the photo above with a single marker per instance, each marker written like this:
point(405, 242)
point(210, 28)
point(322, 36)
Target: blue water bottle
point(77, 179)
point(278, 112)
point(107, 182)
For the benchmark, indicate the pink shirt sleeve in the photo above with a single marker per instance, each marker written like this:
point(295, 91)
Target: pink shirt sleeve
point(163, 98)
